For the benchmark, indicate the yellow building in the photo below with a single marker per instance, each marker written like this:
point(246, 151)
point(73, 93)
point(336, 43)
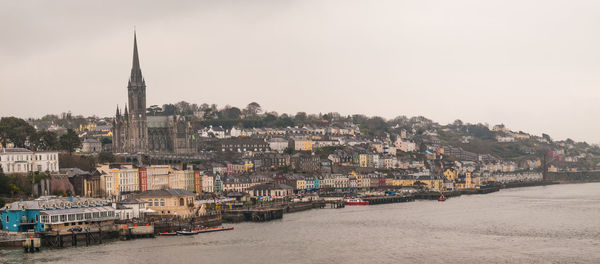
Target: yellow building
point(172, 202)
point(303, 144)
point(363, 160)
point(450, 174)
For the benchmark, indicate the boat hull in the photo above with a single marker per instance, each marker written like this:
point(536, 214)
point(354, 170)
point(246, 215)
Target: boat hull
point(357, 203)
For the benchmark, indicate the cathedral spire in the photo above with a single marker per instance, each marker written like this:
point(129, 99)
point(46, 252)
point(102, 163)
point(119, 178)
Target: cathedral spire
point(118, 114)
point(126, 113)
point(136, 71)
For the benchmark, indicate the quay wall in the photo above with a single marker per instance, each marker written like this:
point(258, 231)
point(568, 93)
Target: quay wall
point(574, 177)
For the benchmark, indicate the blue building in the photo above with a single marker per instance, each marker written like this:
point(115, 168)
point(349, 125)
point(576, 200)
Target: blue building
point(54, 213)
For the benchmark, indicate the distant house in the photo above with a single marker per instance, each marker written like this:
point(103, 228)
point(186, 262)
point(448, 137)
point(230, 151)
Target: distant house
point(278, 144)
point(91, 145)
point(20, 160)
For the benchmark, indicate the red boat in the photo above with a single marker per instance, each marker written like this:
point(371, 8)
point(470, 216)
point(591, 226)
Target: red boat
point(356, 201)
point(442, 198)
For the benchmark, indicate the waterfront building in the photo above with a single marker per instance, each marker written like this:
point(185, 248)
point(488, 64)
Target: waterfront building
point(20, 160)
point(129, 208)
point(119, 179)
point(271, 190)
point(172, 202)
point(55, 213)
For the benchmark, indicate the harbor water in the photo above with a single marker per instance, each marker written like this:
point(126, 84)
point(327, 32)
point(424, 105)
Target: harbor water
point(546, 224)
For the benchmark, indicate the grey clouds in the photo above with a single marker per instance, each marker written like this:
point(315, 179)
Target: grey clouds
point(532, 65)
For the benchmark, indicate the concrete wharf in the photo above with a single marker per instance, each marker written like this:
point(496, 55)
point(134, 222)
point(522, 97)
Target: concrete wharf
point(253, 215)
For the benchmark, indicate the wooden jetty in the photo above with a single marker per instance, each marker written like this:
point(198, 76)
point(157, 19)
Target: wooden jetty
point(387, 199)
point(333, 203)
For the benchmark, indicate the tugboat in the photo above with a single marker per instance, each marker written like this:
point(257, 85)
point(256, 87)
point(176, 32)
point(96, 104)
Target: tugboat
point(356, 201)
point(442, 198)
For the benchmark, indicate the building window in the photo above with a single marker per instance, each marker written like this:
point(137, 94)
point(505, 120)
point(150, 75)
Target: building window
point(162, 202)
point(6, 218)
point(63, 218)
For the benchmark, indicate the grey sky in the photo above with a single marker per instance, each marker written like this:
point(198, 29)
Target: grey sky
point(532, 65)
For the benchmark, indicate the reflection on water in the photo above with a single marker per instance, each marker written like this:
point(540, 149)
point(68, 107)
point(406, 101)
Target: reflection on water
point(551, 224)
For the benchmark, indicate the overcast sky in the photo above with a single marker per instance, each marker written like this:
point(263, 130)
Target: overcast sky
point(532, 65)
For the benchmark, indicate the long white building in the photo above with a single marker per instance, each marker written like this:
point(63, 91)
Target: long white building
point(20, 160)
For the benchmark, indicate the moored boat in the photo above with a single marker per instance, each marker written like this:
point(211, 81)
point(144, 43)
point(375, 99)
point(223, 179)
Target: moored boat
point(356, 201)
point(442, 198)
point(167, 234)
point(203, 230)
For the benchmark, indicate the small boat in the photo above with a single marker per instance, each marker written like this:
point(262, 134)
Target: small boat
point(356, 201)
point(167, 234)
point(442, 198)
point(214, 229)
point(187, 233)
point(203, 230)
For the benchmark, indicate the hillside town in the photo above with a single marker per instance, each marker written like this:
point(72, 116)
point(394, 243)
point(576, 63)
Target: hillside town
point(187, 161)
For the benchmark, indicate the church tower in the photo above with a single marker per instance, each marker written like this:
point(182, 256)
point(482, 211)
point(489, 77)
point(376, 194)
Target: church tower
point(130, 130)
point(138, 130)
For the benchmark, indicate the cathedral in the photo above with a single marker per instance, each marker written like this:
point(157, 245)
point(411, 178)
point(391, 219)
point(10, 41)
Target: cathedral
point(135, 132)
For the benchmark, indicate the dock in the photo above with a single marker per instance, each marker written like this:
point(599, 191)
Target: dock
point(387, 199)
point(253, 215)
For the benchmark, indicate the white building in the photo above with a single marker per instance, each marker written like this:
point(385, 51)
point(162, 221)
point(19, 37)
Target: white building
point(405, 145)
point(278, 144)
point(20, 160)
point(208, 183)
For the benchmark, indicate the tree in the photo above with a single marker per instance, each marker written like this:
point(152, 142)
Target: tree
point(106, 157)
point(44, 140)
point(15, 130)
point(169, 109)
point(252, 110)
point(70, 141)
point(300, 117)
point(153, 110)
point(288, 151)
point(547, 138)
point(230, 113)
point(270, 119)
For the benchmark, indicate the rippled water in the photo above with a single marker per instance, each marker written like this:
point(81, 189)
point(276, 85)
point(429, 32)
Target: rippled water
point(552, 224)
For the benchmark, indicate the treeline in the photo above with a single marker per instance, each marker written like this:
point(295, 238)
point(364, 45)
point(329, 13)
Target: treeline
point(21, 134)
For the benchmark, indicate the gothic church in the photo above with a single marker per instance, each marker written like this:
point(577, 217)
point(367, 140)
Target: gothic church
point(134, 132)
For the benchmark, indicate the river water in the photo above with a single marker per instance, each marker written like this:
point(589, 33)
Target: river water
point(549, 224)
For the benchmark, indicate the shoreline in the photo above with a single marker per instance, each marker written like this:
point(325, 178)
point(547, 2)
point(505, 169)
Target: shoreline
point(292, 208)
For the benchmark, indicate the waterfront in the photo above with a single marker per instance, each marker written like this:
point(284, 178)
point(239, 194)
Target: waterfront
point(546, 224)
